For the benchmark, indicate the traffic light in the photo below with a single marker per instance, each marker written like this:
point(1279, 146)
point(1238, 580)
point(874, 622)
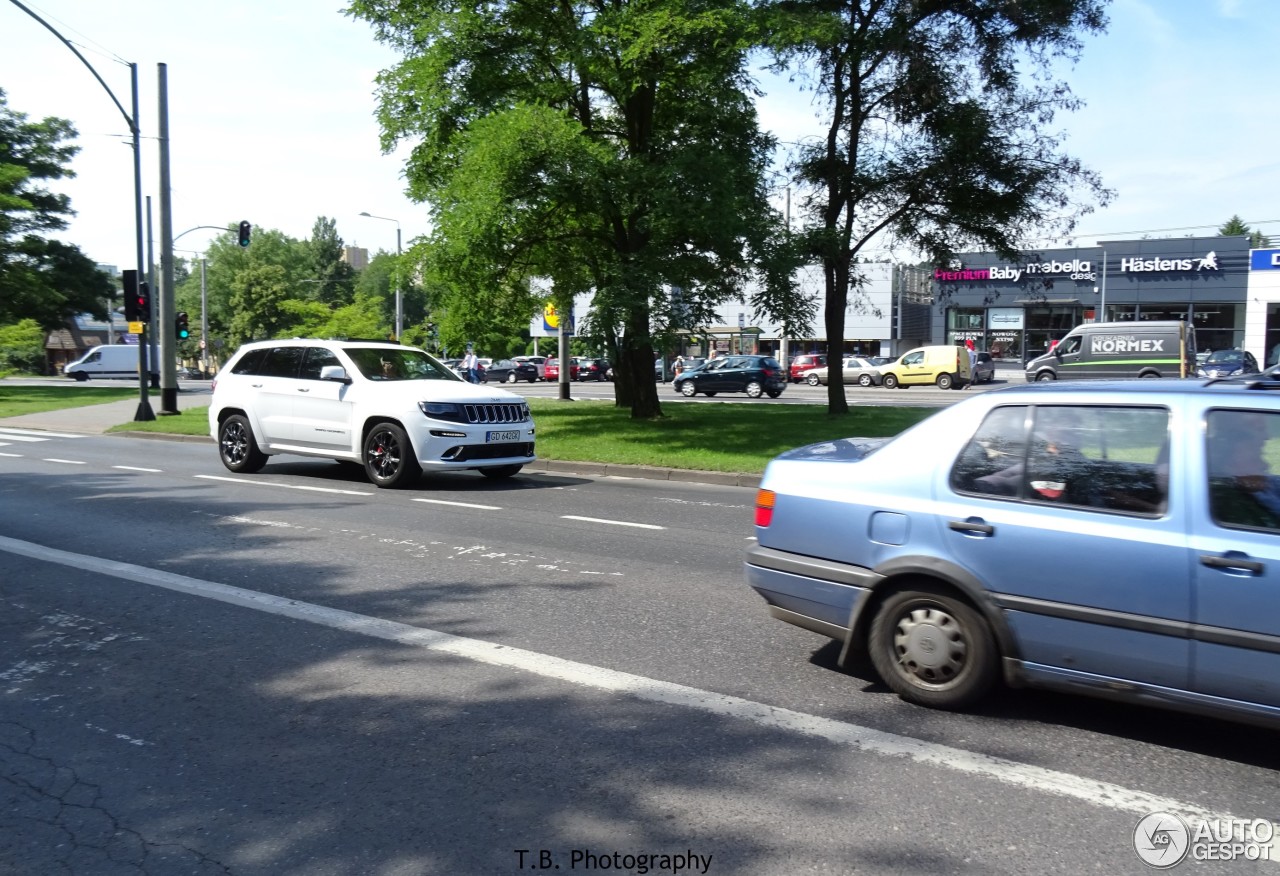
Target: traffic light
point(129, 282)
point(137, 298)
point(245, 228)
point(182, 330)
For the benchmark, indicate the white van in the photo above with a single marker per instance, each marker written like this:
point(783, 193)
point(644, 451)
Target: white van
point(109, 360)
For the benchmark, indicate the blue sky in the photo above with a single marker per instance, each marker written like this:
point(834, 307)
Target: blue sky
point(271, 116)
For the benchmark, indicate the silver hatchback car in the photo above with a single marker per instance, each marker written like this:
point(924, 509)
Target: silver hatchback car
point(1120, 539)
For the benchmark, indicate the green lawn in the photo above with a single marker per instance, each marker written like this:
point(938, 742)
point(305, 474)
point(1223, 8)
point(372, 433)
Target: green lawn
point(710, 437)
point(18, 400)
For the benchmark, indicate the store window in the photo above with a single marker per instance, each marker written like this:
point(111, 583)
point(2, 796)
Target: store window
point(967, 324)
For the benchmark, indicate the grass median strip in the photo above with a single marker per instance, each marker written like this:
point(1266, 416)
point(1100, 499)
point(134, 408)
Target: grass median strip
point(724, 437)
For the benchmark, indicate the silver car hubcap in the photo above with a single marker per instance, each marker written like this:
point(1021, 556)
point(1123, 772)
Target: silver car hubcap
point(930, 646)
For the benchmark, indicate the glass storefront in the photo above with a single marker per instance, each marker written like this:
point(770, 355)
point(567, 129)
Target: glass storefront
point(1218, 326)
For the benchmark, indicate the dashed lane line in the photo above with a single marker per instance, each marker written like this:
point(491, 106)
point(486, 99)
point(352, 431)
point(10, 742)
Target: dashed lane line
point(853, 736)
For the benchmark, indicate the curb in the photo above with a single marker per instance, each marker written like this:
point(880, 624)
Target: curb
point(601, 469)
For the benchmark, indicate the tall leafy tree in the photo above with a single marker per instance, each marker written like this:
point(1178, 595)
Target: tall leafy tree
point(1235, 226)
point(333, 279)
point(41, 279)
point(609, 145)
point(939, 129)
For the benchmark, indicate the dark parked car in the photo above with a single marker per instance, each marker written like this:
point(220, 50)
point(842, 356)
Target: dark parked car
point(754, 375)
point(594, 369)
point(510, 371)
point(1119, 538)
point(1227, 363)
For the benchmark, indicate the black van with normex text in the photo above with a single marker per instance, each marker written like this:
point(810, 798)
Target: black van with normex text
point(1108, 350)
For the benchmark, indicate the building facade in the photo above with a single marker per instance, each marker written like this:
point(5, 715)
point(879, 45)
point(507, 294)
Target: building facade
point(1017, 309)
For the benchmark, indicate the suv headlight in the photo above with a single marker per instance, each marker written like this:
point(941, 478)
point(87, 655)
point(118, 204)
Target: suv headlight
point(442, 411)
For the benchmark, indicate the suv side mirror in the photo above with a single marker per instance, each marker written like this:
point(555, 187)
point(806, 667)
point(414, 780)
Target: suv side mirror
point(334, 372)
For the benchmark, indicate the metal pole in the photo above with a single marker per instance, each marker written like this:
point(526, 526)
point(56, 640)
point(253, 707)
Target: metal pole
point(399, 284)
point(144, 411)
point(1102, 312)
point(165, 318)
point(204, 321)
point(153, 325)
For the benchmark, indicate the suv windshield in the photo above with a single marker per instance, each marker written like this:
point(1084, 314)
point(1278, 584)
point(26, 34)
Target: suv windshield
point(383, 364)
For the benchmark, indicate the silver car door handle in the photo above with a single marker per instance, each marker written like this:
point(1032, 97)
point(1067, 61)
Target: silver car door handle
point(304, 389)
point(972, 526)
point(1233, 563)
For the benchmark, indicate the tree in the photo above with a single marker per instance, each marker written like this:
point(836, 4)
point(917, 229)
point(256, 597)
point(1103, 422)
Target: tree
point(333, 279)
point(259, 308)
point(41, 279)
point(609, 147)
point(938, 118)
point(22, 347)
point(1235, 227)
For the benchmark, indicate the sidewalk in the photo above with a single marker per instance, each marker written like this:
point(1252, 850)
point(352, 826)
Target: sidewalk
point(97, 419)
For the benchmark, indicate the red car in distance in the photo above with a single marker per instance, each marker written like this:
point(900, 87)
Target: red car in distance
point(801, 365)
point(553, 369)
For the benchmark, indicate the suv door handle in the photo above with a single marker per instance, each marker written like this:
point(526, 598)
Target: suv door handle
point(1232, 561)
point(304, 389)
point(972, 526)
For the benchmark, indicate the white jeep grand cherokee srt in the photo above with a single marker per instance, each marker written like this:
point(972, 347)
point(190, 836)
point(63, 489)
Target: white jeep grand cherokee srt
point(393, 409)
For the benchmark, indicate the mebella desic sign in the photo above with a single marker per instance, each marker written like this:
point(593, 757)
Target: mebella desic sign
point(1075, 269)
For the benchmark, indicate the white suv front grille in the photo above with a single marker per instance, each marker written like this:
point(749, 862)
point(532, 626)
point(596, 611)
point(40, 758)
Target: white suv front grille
point(495, 413)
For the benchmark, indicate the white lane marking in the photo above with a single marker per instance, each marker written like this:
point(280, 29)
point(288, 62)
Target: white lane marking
point(8, 431)
point(67, 461)
point(281, 486)
point(611, 522)
point(14, 455)
point(1033, 778)
point(135, 468)
point(460, 504)
point(22, 439)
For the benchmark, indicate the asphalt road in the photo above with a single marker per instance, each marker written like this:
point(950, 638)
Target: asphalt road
point(296, 673)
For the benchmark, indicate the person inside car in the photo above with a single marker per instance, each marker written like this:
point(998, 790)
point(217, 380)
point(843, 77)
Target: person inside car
point(1242, 490)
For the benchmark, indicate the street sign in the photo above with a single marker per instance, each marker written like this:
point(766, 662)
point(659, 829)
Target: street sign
point(135, 328)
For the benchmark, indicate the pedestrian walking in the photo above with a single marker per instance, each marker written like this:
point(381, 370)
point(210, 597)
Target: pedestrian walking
point(471, 364)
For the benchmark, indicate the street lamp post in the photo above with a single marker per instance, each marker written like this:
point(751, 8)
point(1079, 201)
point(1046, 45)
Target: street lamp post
point(144, 412)
point(399, 305)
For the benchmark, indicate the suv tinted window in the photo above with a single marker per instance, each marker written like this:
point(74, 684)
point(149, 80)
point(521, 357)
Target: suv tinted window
point(249, 362)
point(315, 359)
point(281, 362)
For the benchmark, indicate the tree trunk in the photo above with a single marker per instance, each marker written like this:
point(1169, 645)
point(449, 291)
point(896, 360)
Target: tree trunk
point(637, 350)
point(836, 271)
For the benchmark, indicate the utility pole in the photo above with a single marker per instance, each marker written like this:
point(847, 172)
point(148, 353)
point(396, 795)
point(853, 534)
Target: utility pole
point(165, 312)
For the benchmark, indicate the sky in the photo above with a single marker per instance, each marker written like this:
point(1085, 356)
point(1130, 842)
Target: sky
point(271, 117)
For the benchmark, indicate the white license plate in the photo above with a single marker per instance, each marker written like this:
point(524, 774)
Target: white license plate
point(500, 437)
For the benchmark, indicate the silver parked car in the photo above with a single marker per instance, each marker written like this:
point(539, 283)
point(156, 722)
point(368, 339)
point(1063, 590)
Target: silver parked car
point(853, 369)
point(1114, 538)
